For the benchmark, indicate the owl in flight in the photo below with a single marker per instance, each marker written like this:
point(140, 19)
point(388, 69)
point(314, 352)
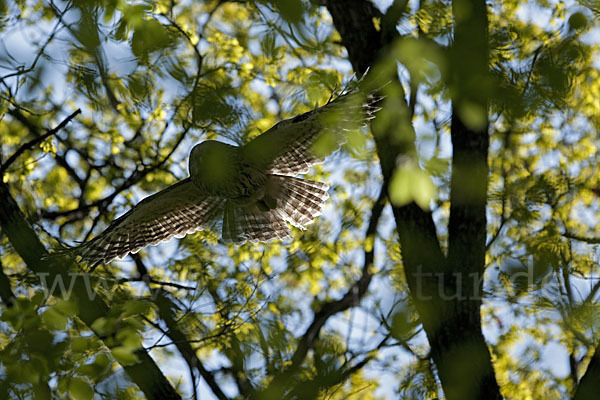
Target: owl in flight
point(250, 191)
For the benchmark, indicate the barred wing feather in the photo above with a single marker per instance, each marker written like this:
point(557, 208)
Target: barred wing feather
point(173, 212)
point(298, 202)
point(288, 147)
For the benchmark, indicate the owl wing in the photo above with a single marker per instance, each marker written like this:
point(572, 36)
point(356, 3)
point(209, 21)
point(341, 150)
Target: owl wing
point(298, 202)
point(175, 211)
point(288, 148)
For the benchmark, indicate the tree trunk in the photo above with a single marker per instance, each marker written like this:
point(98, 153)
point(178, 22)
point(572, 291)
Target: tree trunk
point(451, 316)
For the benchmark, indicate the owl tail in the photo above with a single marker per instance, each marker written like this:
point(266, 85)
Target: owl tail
point(286, 199)
point(296, 200)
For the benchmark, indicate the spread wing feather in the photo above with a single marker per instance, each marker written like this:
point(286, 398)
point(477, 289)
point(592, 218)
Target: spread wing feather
point(297, 201)
point(288, 147)
point(173, 212)
point(285, 150)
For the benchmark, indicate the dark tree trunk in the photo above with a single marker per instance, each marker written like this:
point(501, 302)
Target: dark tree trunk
point(451, 319)
point(589, 384)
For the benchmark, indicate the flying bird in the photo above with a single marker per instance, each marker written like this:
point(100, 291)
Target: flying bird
point(252, 191)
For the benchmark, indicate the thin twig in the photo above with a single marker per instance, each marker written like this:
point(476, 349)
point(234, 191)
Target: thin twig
point(328, 309)
point(29, 145)
point(148, 280)
point(178, 338)
point(131, 180)
point(589, 240)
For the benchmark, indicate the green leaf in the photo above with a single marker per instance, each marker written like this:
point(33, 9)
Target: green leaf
point(55, 319)
point(29, 373)
point(82, 344)
point(102, 360)
point(122, 30)
point(410, 183)
point(101, 326)
point(39, 340)
point(124, 355)
point(423, 58)
point(130, 338)
point(41, 391)
point(149, 36)
point(67, 307)
point(3, 10)
point(96, 369)
point(80, 389)
point(135, 14)
point(291, 10)
point(473, 115)
point(578, 21)
point(135, 307)
point(38, 298)
point(268, 44)
point(402, 326)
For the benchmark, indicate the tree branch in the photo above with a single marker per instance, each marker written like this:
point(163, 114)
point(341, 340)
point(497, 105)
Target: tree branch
point(6, 293)
point(352, 298)
point(131, 180)
point(144, 373)
point(165, 310)
point(234, 353)
point(38, 139)
point(585, 239)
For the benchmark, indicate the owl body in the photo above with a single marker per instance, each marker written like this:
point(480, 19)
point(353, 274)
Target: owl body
point(219, 169)
point(251, 192)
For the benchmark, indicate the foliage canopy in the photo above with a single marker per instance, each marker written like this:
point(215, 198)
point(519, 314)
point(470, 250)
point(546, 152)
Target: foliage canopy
point(486, 148)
